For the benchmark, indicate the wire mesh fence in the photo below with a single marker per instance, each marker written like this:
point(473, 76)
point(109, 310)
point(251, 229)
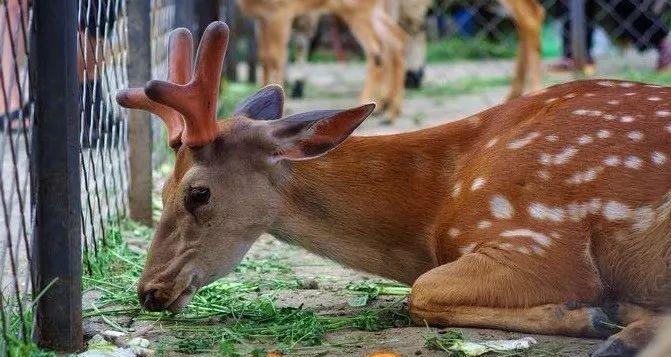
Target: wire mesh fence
point(162, 21)
point(483, 29)
point(102, 47)
point(15, 150)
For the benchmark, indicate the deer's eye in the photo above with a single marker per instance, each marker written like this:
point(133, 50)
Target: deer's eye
point(196, 197)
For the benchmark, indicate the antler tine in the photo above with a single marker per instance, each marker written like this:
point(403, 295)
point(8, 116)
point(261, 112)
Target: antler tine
point(197, 100)
point(180, 71)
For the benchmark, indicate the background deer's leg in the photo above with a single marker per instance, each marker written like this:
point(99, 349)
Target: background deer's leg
point(274, 34)
point(305, 28)
point(362, 29)
point(467, 292)
point(393, 64)
point(528, 16)
point(412, 19)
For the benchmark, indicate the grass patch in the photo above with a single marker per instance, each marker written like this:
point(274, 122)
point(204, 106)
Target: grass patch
point(237, 315)
point(661, 78)
point(456, 48)
point(231, 94)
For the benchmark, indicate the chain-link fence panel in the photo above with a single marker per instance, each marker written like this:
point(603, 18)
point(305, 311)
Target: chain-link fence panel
point(16, 112)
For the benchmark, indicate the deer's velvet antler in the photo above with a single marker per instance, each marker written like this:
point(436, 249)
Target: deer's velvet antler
point(180, 71)
point(197, 100)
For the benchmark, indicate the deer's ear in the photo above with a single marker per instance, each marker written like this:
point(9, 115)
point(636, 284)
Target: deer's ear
point(308, 135)
point(266, 104)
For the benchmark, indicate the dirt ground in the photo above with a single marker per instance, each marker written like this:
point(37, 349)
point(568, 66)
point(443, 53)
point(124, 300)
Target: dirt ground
point(323, 288)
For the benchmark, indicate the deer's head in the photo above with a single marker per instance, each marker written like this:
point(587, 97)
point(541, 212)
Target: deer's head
point(223, 192)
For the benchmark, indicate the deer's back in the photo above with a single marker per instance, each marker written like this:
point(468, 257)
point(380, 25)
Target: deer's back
point(572, 182)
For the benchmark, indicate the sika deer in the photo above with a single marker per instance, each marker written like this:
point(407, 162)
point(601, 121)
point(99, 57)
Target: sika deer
point(382, 40)
point(548, 214)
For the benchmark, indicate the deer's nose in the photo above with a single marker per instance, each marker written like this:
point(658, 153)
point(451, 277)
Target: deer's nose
point(150, 302)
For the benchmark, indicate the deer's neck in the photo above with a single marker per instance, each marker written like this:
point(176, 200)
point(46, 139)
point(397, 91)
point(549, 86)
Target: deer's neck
point(371, 203)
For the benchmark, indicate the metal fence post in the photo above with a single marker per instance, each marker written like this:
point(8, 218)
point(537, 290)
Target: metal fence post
point(139, 126)
point(578, 20)
point(56, 175)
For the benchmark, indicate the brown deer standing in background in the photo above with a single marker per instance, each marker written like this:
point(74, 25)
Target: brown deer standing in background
point(548, 214)
point(382, 41)
point(380, 37)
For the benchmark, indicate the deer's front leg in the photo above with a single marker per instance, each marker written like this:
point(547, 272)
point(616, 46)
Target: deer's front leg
point(475, 291)
point(528, 16)
point(362, 29)
point(274, 32)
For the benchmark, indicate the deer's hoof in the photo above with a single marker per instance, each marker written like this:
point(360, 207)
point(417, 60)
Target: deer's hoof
point(298, 90)
point(614, 347)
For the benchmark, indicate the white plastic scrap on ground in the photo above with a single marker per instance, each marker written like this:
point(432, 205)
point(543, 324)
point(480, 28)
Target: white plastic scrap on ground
point(469, 348)
point(117, 344)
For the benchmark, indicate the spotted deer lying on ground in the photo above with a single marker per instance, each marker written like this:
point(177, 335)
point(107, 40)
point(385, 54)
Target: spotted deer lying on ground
point(383, 42)
point(548, 214)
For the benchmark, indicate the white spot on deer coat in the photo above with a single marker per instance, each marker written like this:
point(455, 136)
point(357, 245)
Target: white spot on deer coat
point(540, 238)
point(663, 113)
point(456, 190)
point(492, 142)
point(500, 207)
point(578, 211)
point(565, 155)
point(522, 142)
point(584, 139)
point(635, 135)
point(654, 99)
point(484, 224)
point(552, 138)
point(542, 212)
point(550, 100)
point(559, 159)
point(603, 134)
point(630, 94)
point(570, 95)
point(658, 158)
point(633, 162)
point(615, 211)
point(627, 119)
point(609, 117)
point(477, 183)
point(668, 128)
point(584, 176)
point(524, 250)
point(612, 160)
point(626, 84)
point(606, 83)
point(453, 232)
point(613, 102)
point(543, 174)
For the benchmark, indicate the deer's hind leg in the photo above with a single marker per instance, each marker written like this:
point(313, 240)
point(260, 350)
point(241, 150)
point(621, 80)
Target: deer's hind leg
point(393, 89)
point(478, 291)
